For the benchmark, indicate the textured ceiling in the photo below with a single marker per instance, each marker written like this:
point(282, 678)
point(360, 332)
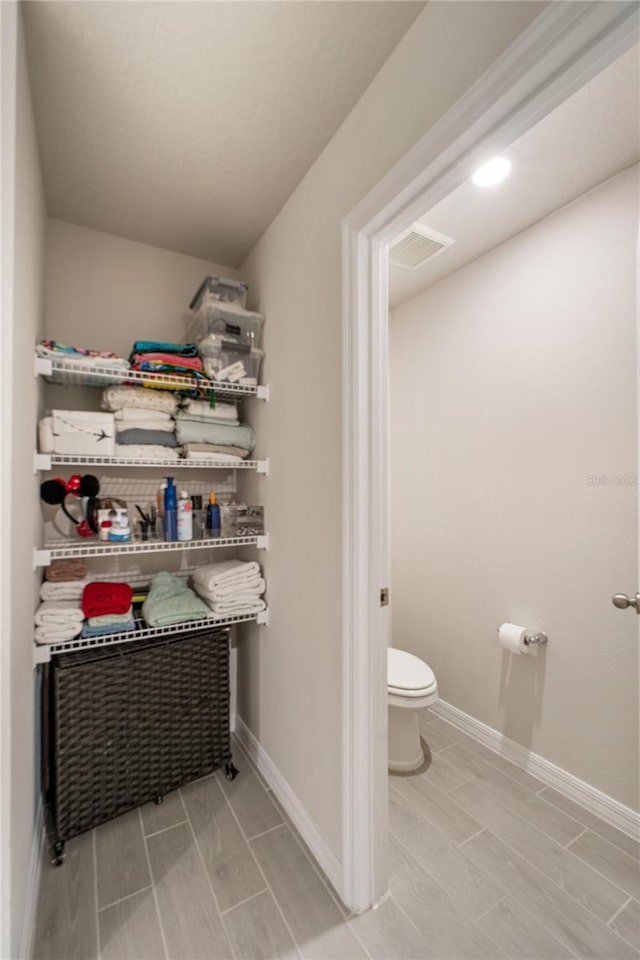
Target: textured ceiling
point(187, 125)
point(590, 137)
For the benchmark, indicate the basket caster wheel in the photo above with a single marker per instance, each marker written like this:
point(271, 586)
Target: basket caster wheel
point(230, 771)
point(159, 800)
point(58, 854)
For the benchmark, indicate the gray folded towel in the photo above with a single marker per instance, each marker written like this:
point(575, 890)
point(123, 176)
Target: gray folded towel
point(157, 437)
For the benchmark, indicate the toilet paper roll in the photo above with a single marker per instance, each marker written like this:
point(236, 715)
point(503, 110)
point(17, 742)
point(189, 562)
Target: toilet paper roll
point(511, 637)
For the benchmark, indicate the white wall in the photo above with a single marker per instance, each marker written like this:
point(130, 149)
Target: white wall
point(104, 292)
point(290, 674)
point(512, 382)
point(22, 531)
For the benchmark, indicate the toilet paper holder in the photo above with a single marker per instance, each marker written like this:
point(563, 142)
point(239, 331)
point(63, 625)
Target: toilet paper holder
point(540, 638)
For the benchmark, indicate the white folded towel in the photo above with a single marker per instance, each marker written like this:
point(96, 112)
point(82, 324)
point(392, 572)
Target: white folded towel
point(204, 455)
point(232, 608)
point(162, 426)
point(62, 589)
point(231, 590)
point(56, 634)
point(135, 414)
point(62, 613)
point(226, 573)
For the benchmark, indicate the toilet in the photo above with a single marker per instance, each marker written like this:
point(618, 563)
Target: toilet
point(411, 686)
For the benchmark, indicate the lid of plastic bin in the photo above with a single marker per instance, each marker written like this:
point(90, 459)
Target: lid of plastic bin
point(212, 280)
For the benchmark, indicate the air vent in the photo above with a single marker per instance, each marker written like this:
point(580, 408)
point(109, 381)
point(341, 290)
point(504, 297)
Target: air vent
point(418, 246)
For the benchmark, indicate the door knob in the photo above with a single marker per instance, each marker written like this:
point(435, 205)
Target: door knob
point(622, 601)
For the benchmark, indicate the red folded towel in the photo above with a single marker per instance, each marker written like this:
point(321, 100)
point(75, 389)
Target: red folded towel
point(100, 598)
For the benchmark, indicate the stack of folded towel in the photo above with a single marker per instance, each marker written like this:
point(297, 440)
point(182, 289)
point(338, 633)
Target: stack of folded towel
point(231, 587)
point(213, 432)
point(157, 356)
point(71, 568)
point(144, 421)
point(108, 609)
point(170, 601)
point(58, 620)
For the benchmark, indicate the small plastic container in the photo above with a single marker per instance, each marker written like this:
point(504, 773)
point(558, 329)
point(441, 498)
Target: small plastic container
point(233, 366)
point(220, 289)
point(243, 327)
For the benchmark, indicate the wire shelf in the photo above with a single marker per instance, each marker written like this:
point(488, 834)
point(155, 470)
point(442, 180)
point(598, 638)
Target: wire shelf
point(77, 373)
point(42, 652)
point(45, 461)
point(62, 549)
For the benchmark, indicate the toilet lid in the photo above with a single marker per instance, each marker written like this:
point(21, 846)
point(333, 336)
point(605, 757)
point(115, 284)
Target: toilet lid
point(406, 672)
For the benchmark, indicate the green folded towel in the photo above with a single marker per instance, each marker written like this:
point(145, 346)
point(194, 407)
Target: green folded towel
point(171, 601)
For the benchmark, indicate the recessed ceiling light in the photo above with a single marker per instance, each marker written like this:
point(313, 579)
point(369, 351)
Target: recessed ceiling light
point(491, 172)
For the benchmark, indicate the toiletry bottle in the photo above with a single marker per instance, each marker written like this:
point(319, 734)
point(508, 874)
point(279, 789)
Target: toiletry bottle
point(199, 519)
point(160, 508)
point(213, 517)
point(170, 511)
point(185, 517)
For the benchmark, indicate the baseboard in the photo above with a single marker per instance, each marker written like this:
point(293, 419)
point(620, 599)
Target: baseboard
point(33, 884)
point(592, 799)
point(293, 806)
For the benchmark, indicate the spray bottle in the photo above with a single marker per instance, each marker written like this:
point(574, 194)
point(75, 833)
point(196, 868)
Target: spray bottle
point(213, 517)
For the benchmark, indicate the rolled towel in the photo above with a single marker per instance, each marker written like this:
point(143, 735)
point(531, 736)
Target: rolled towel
point(70, 569)
point(63, 590)
point(53, 634)
point(100, 598)
point(194, 431)
point(222, 412)
point(171, 601)
point(111, 619)
point(59, 613)
point(118, 398)
point(235, 573)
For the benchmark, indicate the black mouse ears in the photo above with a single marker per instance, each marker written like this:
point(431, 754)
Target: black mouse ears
point(55, 491)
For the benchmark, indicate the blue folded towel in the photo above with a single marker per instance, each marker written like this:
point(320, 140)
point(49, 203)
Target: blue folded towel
point(108, 628)
point(159, 346)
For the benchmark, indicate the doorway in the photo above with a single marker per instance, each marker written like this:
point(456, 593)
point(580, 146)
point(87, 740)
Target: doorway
point(564, 48)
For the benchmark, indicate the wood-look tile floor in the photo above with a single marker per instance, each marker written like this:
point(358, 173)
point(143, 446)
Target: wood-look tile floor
point(485, 862)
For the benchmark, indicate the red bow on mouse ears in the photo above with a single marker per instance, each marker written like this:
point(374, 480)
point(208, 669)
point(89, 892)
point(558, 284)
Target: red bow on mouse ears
point(55, 492)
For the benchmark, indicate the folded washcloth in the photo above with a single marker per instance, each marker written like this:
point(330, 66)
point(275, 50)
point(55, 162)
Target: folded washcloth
point(220, 413)
point(118, 398)
point(107, 629)
point(213, 451)
point(136, 414)
point(171, 601)
point(160, 438)
point(70, 569)
point(158, 426)
point(213, 576)
point(63, 590)
point(147, 450)
point(100, 598)
point(59, 613)
point(162, 346)
point(194, 431)
point(56, 633)
point(109, 619)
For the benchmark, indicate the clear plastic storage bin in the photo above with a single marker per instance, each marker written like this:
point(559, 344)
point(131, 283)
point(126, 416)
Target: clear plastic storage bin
point(226, 361)
point(227, 320)
point(220, 290)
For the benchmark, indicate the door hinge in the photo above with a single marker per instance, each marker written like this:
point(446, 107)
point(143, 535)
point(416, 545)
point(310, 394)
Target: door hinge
point(384, 597)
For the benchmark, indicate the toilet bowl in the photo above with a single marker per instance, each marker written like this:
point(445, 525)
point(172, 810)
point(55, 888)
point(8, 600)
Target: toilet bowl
point(411, 686)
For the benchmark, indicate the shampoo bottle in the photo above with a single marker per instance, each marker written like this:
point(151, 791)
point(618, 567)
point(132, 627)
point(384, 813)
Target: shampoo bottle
point(170, 511)
point(185, 517)
point(213, 517)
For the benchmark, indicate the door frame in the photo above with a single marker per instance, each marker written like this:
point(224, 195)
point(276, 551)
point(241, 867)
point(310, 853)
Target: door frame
point(563, 48)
